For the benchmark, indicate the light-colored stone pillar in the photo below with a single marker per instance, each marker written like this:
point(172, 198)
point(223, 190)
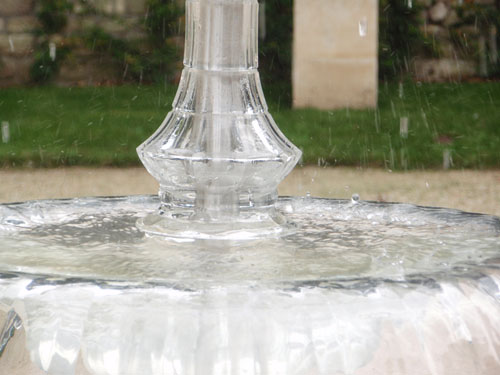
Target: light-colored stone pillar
point(335, 53)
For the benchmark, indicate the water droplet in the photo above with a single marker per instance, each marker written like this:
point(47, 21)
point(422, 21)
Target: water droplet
point(363, 27)
point(52, 51)
point(403, 127)
point(5, 132)
point(424, 117)
point(447, 159)
point(308, 195)
point(355, 198)
point(11, 44)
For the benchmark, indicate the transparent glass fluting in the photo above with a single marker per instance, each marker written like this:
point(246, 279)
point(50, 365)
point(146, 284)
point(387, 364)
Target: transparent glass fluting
point(218, 156)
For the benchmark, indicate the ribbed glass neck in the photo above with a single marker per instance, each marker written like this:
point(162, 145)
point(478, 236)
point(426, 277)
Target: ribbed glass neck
point(221, 35)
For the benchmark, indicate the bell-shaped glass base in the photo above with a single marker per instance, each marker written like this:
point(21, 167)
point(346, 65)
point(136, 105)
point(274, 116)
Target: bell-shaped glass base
point(218, 156)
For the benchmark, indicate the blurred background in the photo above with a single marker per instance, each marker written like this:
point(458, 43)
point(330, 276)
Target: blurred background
point(395, 100)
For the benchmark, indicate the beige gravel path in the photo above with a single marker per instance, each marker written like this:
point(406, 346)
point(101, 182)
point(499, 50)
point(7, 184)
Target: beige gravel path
point(476, 191)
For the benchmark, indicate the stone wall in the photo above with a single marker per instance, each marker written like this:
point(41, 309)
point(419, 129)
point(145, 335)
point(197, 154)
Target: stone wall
point(18, 40)
point(17, 23)
point(120, 18)
point(460, 46)
point(335, 46)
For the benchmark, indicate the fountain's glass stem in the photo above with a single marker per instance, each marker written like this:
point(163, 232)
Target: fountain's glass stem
point(219, 155)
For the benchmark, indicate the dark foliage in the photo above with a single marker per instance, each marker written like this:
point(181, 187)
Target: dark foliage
point(276, 48)
point(163, 21)
point(400, 38)
point(44, 67)
point(52, 15)
point(485, 19)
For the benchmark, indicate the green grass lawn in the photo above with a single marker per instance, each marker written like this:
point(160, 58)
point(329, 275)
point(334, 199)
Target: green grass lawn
point(103, 126)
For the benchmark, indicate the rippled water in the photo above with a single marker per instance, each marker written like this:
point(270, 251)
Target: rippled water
point(359, 288)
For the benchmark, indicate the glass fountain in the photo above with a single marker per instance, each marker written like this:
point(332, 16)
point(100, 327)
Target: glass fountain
point(219, 276)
